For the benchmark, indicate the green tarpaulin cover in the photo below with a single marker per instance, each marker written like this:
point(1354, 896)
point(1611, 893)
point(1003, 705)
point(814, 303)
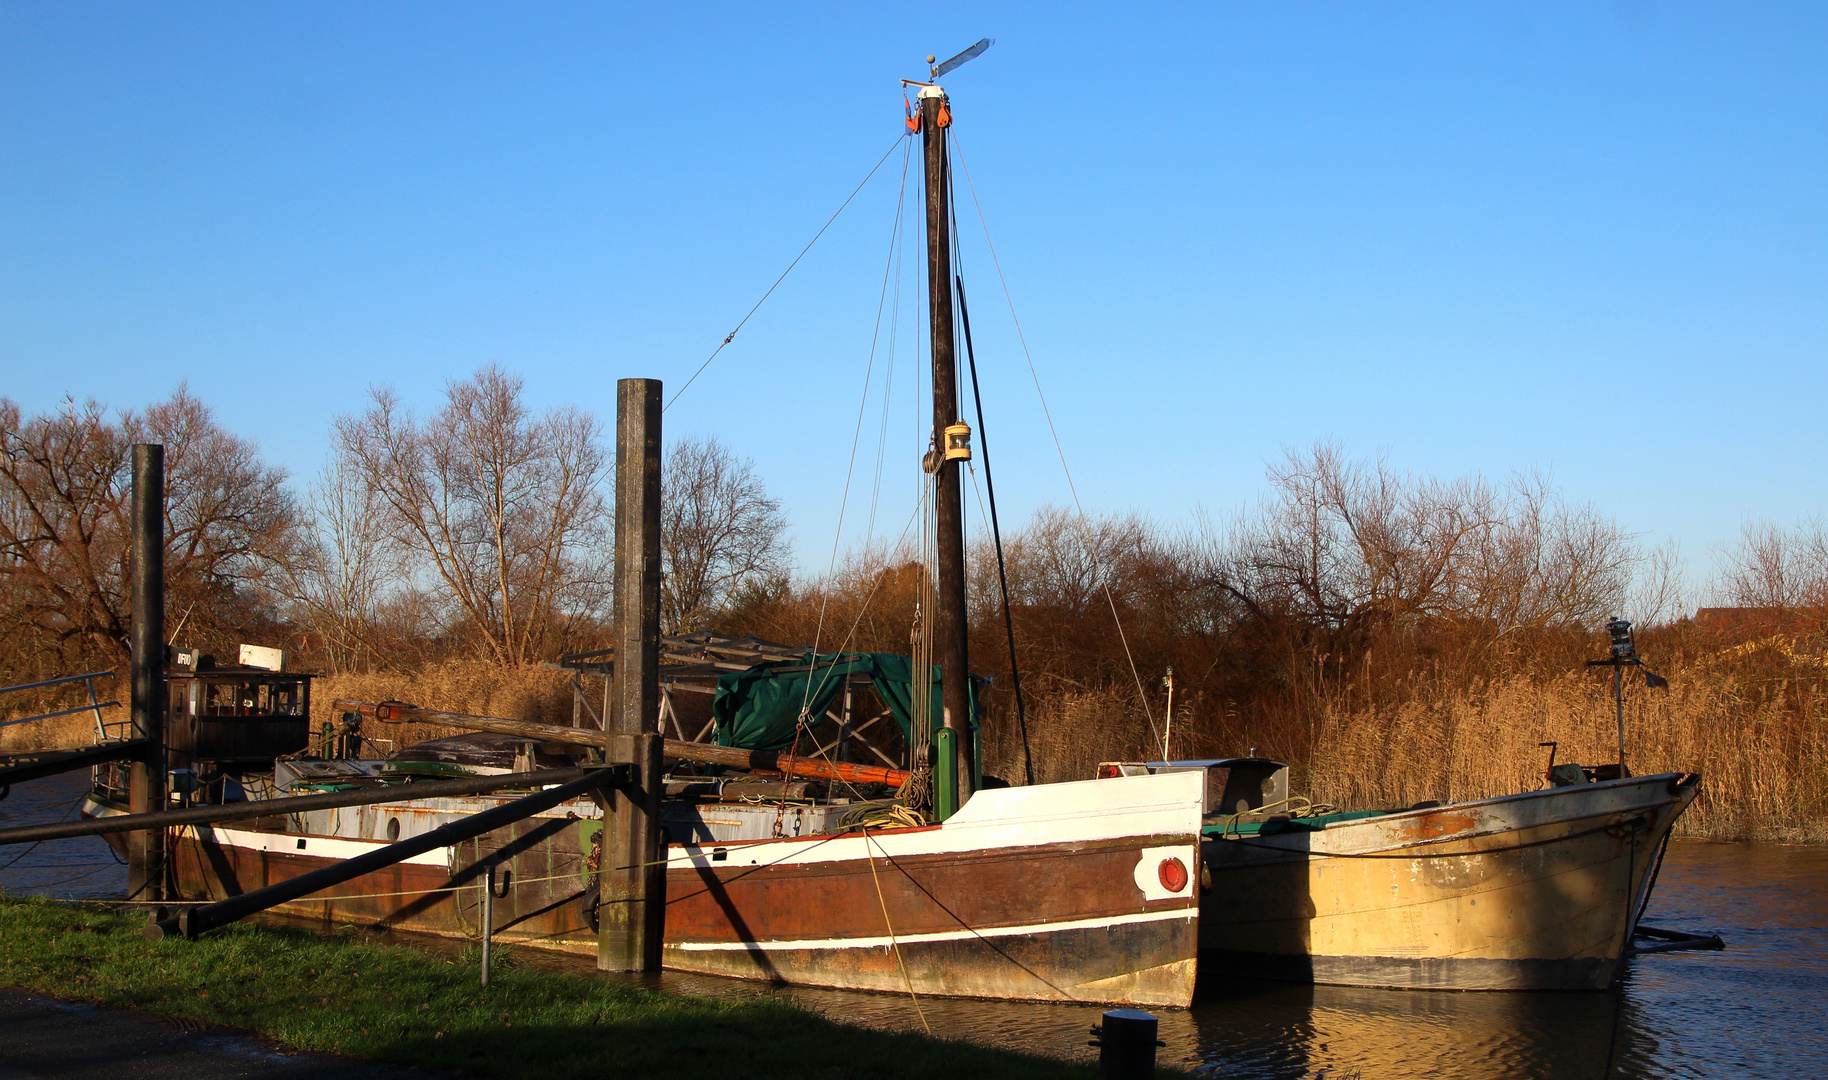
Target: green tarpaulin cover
point(757, 708)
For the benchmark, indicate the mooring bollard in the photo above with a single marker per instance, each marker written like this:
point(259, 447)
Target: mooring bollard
point(488, 914)
point(1126, 1042)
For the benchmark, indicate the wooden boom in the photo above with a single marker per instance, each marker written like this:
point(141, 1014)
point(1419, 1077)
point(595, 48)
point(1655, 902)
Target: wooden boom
point(394, 712)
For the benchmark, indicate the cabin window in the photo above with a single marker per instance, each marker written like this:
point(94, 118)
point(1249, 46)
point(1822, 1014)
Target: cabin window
point(285, 699)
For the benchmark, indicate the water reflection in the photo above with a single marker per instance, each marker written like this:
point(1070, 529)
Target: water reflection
point(1291, 1032)
point(78, 868)
point(1754, 1010)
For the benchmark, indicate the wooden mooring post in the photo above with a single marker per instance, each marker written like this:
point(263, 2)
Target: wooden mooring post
point(146, 781)
point(631, 880)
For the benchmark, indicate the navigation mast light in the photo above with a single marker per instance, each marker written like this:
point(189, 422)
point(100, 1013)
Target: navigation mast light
point(958, 442)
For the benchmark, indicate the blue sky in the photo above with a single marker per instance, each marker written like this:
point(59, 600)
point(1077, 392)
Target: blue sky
point(1590, 239)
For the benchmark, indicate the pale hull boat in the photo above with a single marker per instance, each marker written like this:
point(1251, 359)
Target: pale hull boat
point(1537, 891)
point(1081, 892)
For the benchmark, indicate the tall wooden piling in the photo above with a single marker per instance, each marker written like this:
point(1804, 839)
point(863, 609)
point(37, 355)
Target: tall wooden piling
point(632, 884)
point(146, 784)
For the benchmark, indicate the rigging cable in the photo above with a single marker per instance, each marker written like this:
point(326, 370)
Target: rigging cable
point(996, 535)
point(777, 281)
point(1141, 694)
point(801, 723)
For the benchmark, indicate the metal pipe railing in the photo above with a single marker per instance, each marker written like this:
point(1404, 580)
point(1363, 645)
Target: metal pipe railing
point(295, 804)
point(52, 762)
point(55, 682)
point(89, 681)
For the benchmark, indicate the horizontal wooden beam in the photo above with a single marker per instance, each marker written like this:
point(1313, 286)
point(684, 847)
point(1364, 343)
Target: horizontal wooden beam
point(622, 747)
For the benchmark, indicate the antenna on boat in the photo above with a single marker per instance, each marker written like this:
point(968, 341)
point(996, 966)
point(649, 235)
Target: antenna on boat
point(1623, 654)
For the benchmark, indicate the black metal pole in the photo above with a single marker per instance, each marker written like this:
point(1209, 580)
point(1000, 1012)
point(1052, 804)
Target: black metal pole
point(146, 782)
point(200, 919)
point(950, 628)
point(64, 761)
point(996, 537)
point(1618, 697)
point(296, 804)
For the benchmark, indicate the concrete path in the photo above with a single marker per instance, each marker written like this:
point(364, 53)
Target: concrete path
point(42, 1038)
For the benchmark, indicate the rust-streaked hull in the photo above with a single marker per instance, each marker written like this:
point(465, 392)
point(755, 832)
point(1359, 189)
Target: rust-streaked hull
point(437, 893)
point(1527, 892)
point(1051, 893)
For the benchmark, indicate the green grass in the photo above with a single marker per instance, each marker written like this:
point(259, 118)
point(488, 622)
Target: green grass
point(338, 994)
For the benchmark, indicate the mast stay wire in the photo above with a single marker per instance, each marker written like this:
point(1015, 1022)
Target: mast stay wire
point(777, 281)
point(1142, 695)
point(996, 534)
point(862, 405)
point(888, 373)
point(850, 468)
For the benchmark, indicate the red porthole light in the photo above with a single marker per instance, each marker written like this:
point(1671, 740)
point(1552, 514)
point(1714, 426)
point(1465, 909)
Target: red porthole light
point(1173, 875)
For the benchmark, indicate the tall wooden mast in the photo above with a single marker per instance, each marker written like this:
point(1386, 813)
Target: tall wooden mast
point(951, 649)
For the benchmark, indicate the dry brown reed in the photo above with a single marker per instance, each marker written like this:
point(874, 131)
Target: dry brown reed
point(1472, 746)
point(1749, 721)
point(60, 732)
point(480, 688)
point(477, 688)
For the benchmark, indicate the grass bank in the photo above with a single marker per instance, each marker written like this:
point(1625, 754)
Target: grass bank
point(337, 994)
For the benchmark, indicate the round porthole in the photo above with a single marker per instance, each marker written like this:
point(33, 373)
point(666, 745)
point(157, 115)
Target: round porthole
point(393, 829)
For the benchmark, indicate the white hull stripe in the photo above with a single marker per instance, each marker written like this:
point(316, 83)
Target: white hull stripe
point(320, 847)
point(995, 820)
point(1187, 914)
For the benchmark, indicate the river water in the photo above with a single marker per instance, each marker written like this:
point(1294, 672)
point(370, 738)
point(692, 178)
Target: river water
point(1757, 1009)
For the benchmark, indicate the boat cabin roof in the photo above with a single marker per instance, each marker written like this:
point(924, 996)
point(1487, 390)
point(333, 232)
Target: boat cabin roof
point(238, 674)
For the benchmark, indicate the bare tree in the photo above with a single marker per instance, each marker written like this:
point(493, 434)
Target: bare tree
point(719, 532)
point(348, 567)
point(1774, 567)
point(1340, 541)
point(504, 509)
point(65, 481)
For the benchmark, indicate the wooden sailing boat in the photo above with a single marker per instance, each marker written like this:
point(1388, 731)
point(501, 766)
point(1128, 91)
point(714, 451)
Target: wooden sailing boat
point(1540, 890)
point(1070, 892)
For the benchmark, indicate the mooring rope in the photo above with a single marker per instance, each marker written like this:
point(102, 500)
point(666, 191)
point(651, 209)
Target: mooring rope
point(893, 944)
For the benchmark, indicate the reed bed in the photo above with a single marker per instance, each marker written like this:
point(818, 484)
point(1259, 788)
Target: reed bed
point(1471, 746)
point(481, 689)
point(1751, 718)
point(1760, 743)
